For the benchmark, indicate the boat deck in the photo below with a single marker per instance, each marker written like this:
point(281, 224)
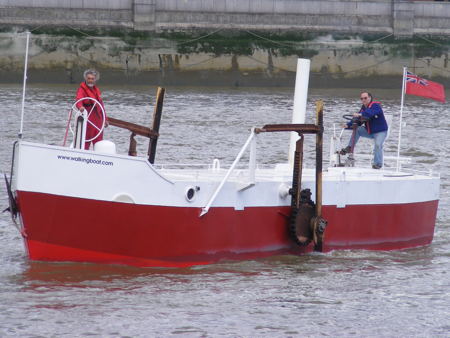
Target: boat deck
point(283, 173)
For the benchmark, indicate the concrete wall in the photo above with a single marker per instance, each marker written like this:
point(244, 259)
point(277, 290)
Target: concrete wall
point(74, 4)
point(99, 13)
point(431, 18)
point(401, 17)
point(62, 59)
point(323, 15)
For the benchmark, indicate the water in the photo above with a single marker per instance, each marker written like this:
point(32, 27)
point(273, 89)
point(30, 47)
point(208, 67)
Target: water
point(347, 293)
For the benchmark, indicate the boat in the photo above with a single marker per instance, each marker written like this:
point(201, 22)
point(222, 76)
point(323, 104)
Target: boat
point(98, 206)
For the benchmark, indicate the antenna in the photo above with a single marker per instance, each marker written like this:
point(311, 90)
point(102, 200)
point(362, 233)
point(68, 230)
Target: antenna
point(24, 85)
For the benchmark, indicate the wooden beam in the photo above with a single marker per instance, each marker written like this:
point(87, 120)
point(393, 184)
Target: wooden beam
point(134, 128)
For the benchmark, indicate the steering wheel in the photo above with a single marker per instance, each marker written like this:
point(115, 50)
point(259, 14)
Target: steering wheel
point(78, 113)
point(348, 117)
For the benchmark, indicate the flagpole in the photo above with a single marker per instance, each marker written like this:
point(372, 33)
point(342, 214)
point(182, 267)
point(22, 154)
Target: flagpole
point(401, 118)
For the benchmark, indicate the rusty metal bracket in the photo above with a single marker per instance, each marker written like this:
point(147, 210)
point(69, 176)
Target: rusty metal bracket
point(317, 224)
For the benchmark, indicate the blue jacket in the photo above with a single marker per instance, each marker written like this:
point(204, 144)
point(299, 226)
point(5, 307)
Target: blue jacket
point(374, 118)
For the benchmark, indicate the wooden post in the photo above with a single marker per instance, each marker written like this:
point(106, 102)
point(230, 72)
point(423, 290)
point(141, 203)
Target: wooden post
point(156, 122)
point(133, 145)
point(319, 146)
point(318, 223)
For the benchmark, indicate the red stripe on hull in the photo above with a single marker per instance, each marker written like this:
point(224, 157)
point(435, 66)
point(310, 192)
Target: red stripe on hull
point(62, 228)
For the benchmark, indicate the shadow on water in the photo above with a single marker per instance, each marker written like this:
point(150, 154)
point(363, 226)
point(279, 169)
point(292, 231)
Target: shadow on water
point(68, 273)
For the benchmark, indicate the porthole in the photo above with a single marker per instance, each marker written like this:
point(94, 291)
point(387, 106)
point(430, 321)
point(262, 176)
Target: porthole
point(191, 193)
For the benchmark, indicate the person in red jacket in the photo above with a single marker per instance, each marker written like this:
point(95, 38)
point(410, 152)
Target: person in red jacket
point(89, 89)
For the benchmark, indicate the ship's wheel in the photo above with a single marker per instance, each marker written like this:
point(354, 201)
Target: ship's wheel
point(74, 113)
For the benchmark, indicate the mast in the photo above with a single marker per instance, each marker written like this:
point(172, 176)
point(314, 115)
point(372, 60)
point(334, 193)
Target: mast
point(24, 85)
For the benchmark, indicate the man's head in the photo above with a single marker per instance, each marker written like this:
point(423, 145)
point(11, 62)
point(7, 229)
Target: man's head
point(366, 98)
point(91, 76)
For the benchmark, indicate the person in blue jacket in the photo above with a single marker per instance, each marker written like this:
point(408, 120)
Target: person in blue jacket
point(373, 125)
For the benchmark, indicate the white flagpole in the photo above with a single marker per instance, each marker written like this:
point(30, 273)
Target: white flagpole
point(24, 85)
point(401, 118)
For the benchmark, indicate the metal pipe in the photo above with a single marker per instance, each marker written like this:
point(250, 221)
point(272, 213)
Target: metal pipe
point(300, 99)
point(238, 157)
point(25, 70)
point(252, 161)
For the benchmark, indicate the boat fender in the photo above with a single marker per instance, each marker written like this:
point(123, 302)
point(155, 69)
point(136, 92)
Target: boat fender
point(300, 222)
point(105, 147)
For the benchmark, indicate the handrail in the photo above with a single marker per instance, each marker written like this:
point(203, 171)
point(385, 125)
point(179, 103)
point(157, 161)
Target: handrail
point(235, 162)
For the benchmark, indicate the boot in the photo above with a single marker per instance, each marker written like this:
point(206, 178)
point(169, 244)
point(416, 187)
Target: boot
point(345, 151)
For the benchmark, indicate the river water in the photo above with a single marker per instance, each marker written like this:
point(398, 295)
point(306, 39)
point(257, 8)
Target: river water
point(347, 293)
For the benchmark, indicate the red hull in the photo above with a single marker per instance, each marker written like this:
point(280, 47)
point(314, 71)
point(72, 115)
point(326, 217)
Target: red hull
point(62, 228)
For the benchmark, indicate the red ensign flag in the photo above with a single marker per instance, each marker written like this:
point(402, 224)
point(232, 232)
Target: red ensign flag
point(425, 88)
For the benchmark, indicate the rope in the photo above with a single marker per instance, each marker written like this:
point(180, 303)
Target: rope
point(433, 42)
point(340, 73)
point(270, 40)
point(290, 44)
point(79, 31)
point(201, 37)
point(199, 63)
point(382, 38)
point(31, 31)
point(367, 67)
point(433, 66)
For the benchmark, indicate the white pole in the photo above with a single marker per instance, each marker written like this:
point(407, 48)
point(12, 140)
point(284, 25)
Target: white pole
point(236, 160)
point(401, 118)
point(300, 98)
point(24, 85)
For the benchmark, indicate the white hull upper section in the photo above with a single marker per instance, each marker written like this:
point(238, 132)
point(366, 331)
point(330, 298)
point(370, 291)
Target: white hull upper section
point(91, 175)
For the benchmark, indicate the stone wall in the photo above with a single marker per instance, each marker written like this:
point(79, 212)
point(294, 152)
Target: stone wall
point(400, 17)
point(159, 61)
